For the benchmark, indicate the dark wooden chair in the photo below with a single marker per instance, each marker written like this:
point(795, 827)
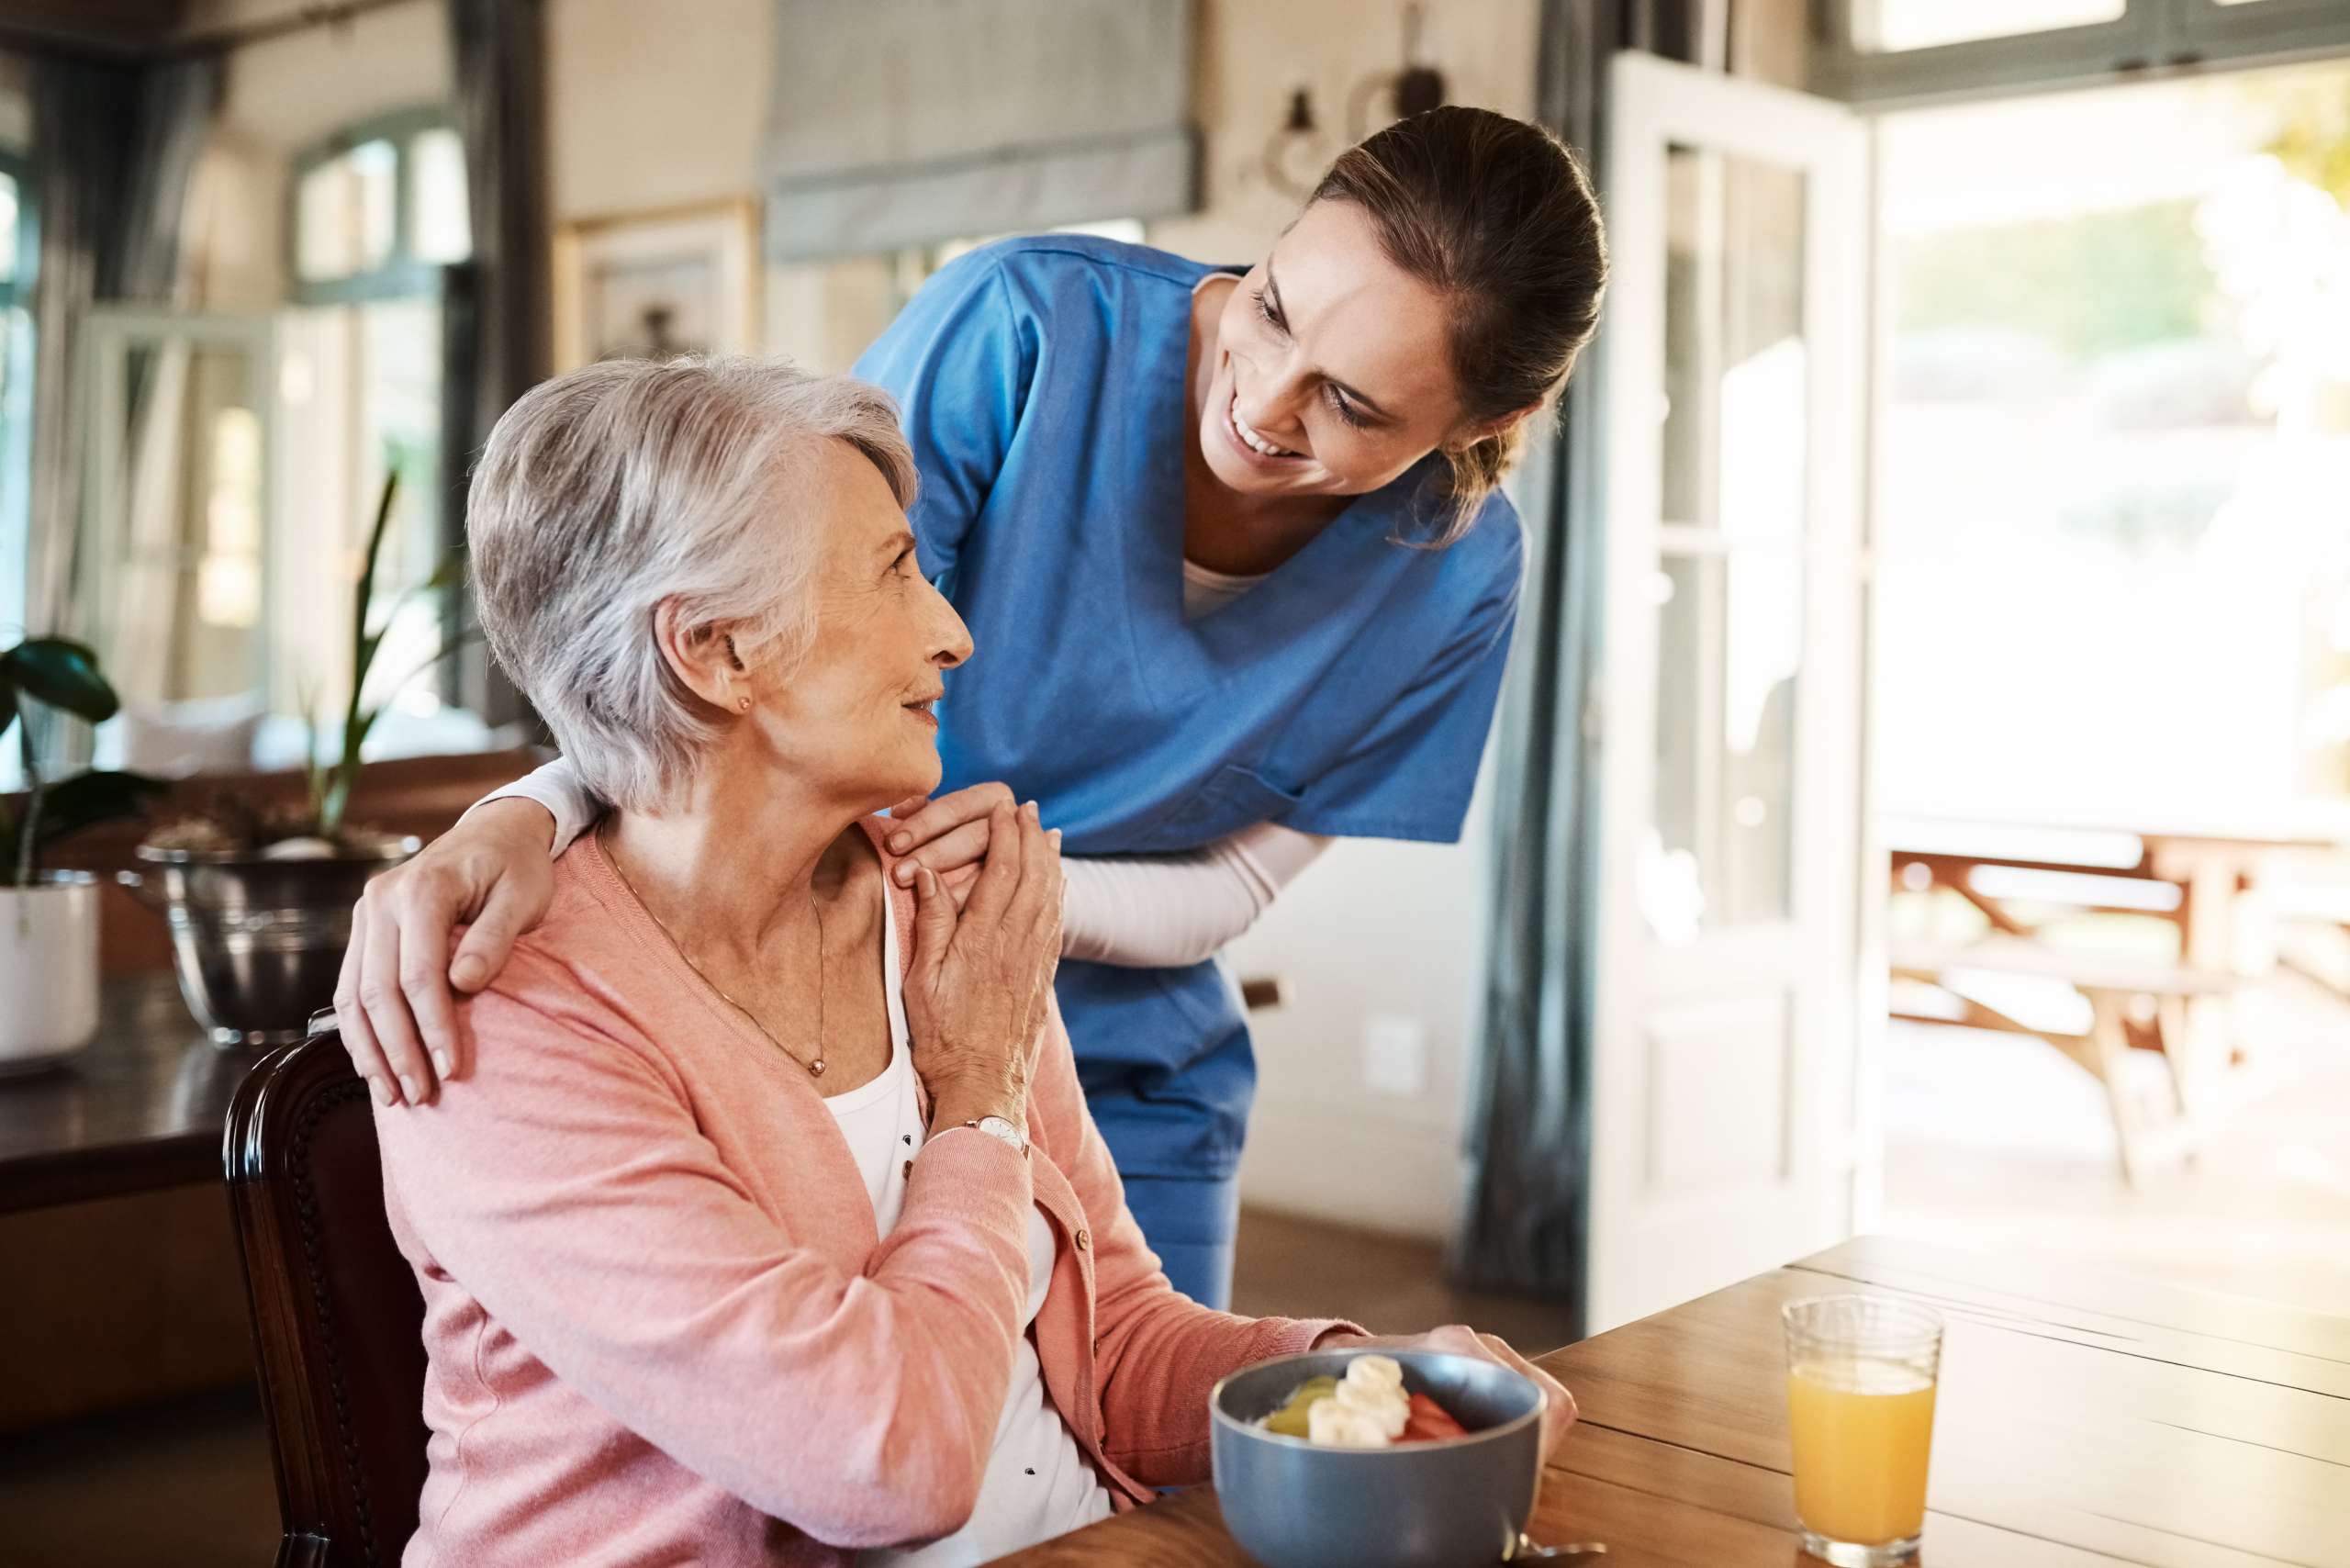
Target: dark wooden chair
point(337, 1320)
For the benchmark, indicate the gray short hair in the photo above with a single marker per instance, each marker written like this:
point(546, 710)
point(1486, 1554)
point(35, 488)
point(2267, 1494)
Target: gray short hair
point(606, 491)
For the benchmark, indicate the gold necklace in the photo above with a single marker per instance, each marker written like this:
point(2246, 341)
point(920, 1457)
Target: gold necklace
point(815, 1069)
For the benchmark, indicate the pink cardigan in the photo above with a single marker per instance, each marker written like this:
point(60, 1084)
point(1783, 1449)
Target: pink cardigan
point(661, 1325)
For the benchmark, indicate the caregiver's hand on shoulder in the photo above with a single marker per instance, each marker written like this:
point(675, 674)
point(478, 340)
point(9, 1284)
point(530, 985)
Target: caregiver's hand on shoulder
point(948, 834)
point(393, 1002)
point(1460, 1339)
point(982, 981)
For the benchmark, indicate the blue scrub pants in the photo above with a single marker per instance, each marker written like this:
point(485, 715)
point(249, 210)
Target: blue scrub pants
point(1190, 1223)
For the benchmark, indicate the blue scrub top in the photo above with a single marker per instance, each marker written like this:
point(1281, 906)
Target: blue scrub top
point(1043, 383)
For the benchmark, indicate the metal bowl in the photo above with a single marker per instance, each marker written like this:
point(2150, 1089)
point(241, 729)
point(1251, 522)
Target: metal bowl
point(258, 941)
point(1459, 1503)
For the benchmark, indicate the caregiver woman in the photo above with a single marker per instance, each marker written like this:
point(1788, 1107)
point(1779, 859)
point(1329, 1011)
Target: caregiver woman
point(1235, 550)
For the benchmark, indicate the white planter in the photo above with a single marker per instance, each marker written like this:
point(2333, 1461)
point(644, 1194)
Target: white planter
point(48, 970)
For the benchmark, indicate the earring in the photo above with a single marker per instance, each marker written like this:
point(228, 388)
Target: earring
point(742, 704)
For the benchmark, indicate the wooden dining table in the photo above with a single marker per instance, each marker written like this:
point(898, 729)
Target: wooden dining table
point(2083, 1420)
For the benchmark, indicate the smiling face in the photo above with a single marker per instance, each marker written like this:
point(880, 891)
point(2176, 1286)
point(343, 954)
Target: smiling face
point(1332, 366)
point(856, 714)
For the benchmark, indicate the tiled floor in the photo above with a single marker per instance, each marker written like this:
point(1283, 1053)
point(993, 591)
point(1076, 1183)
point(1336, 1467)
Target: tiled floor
point(188, 1483)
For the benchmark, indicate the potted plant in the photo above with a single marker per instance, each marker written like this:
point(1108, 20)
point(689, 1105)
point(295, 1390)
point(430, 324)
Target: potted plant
point(48, 920)
point(259, 900)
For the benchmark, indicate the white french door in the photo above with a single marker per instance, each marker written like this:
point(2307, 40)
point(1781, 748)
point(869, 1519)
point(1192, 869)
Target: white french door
point(1726, 1127)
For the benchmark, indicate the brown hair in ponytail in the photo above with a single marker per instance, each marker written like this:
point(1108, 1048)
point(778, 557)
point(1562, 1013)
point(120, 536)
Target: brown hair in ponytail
point(1498, 216)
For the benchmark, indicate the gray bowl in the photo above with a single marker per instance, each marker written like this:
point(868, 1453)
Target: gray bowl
point(1459, 1503)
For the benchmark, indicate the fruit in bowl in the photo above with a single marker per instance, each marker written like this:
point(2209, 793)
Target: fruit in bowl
point(1367, 1409)
point(1442, 1499)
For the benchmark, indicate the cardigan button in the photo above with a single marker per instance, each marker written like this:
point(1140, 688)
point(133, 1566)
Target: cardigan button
point(1084, 1239)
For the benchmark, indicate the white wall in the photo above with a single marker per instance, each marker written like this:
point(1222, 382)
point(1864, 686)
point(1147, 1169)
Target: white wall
point(647, 110)
point(1374, 929)
point(1250, 56)
point(287, 92)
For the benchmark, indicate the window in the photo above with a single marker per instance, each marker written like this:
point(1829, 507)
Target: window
point(1913, 50)
point(377, 214)
point(376, 209)
point(1889, 27)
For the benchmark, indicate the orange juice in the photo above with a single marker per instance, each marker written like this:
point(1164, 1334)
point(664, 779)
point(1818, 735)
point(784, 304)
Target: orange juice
point(1861, 1432)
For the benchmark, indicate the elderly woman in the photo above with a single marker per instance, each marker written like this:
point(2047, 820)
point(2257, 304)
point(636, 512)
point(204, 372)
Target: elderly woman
point(774, 1227)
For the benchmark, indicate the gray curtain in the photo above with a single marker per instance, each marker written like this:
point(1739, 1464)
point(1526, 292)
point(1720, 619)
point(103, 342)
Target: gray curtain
point(908, 122)
point(496, 327)
point(115, 151)
point(1525, 1226)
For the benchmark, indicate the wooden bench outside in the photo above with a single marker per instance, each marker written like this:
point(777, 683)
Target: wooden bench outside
point(2132, 1005)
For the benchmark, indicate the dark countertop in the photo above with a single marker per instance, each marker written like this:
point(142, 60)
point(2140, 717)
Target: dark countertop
point(143, 1107)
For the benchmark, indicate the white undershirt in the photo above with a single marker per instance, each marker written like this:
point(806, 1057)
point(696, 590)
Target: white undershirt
point(1205, 592)
point(1037, 1483)
point(1165, 910)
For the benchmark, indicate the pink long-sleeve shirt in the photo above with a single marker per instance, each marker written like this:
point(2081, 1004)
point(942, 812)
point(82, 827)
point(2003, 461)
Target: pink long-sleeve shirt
point(660, 1323)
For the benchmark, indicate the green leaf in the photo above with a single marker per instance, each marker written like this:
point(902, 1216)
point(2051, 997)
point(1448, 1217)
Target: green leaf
point(449, 573)
point(7, 698)
point(364, 596)
point(64, 675)
point(87, 799)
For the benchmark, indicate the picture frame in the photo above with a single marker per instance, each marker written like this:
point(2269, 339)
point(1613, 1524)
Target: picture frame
point(652, 283)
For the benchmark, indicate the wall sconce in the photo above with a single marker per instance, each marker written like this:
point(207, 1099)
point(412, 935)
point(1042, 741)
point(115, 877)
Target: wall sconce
point(1296, 154)
point(1414, 89)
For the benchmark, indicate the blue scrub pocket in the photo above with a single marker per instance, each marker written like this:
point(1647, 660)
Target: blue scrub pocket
point(1233, 798)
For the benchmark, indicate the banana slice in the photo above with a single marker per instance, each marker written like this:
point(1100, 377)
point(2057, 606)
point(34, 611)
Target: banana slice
point(1376, 1374)
point(1331, 1423)
point(1388, 1407)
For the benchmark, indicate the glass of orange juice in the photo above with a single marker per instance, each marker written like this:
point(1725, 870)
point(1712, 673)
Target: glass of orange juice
point(1861, 1375)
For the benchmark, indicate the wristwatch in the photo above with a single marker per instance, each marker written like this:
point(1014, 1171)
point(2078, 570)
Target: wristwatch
point(1003, 1132)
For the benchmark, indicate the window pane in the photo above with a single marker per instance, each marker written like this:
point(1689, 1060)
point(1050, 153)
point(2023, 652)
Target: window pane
point(228, 584)
point(180, 583)
point(15, 430)
point(399, 417)
point(436, 183)
point(1886, 27)
point(344, 213)
point(1728, 649)
point(1736, 373)
point(7, 229)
